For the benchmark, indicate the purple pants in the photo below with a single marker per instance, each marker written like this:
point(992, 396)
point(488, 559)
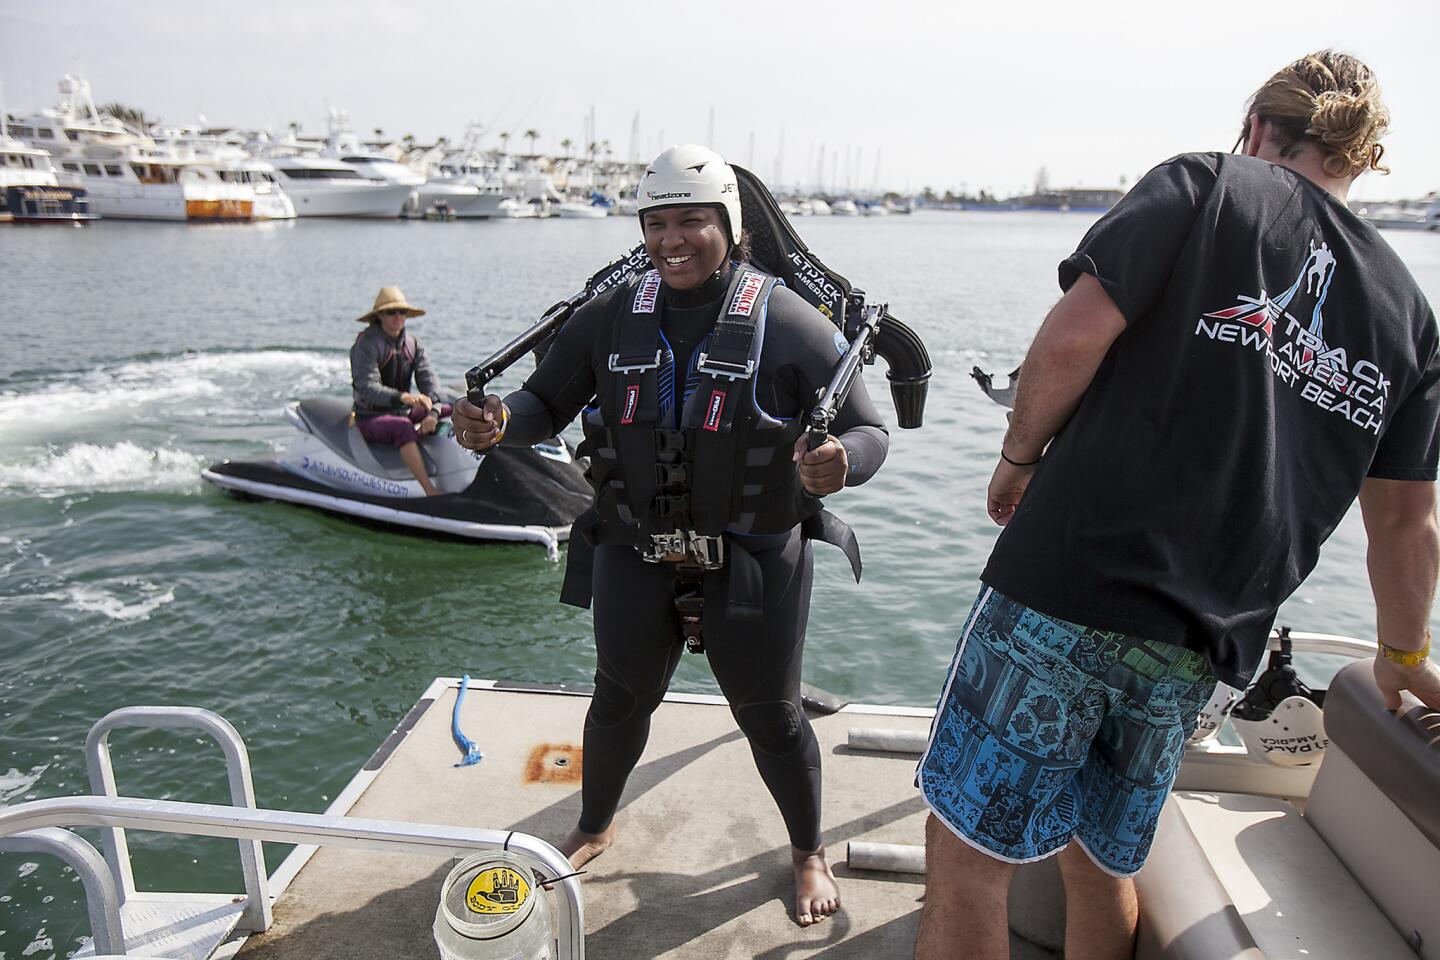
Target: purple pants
point(394, 428)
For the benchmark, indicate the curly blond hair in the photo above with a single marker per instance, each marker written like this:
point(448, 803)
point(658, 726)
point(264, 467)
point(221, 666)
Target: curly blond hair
point(1331, 100)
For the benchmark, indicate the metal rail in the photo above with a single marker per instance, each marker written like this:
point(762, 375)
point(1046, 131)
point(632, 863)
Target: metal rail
point(101, 901)
point(282, 826)
point(256, 917)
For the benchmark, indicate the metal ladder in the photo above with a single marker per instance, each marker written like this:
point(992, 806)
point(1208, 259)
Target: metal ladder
point(192, 926)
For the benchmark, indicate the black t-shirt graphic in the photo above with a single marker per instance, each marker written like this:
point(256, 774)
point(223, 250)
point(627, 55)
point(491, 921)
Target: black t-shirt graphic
point(1276, 353)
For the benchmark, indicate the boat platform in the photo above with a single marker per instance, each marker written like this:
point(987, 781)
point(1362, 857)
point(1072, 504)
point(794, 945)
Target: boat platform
point(701, 865)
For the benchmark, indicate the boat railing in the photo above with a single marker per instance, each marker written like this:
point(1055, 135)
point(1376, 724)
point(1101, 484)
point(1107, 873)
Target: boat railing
point(237, 769)
point(42, 826)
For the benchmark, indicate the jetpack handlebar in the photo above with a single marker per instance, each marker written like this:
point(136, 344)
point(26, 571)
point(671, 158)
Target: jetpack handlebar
point(623, 270)
point(478, 377)
point(876, 333)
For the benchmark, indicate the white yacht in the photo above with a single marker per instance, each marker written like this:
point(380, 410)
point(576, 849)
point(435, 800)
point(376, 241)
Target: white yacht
point(225, 153)
point(326, 187)
point(126, 173)
point(30, 188)
point(470, 169)
point(424, 197)
point(1404, 214)
point(845, 208)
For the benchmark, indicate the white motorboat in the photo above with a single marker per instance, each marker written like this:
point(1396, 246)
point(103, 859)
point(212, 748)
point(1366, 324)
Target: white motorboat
point(845, 208)
point(325, 187)
point(126, 173)
point(581, 210)
point(820, 208)
point(226, 154)
point(30, 187)
point(1404, 214)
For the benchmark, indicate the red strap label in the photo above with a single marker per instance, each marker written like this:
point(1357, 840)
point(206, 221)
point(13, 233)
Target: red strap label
point(632, 400)
point(713, 411)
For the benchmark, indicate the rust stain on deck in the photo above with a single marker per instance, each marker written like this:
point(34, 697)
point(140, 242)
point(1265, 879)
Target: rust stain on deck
point(554, 763)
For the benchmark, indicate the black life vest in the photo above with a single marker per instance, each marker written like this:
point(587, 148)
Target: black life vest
point(397, 367)
point(708, 460)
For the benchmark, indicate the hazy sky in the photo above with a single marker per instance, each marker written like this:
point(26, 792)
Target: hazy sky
point(951, 94)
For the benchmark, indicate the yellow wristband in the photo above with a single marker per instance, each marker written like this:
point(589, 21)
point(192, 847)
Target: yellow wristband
point(1406, 658)
point(504, 422)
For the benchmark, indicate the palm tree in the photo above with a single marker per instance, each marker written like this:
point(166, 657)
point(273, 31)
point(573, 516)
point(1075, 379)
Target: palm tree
point(565, 145)
point(505, 142)
point(130, 116)
point(532, 135)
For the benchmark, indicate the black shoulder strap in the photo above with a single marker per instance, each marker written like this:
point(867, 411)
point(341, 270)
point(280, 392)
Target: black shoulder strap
point(634, 362)
point(727, 368)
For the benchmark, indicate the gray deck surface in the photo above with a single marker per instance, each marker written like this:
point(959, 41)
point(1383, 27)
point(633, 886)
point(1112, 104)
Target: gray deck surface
point(701, 865)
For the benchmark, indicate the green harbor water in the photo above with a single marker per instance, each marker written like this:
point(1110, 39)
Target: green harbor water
point(135, 354)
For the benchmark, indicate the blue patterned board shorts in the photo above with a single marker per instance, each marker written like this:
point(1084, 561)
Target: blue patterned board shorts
point(1048, 731)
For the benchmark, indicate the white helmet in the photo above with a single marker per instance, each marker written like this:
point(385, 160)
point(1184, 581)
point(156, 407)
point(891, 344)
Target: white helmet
point(691, 176)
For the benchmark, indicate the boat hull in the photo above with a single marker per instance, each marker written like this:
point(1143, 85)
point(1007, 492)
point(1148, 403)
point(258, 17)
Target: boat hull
point(44, 203)
point(363, 200)
point(178, 202)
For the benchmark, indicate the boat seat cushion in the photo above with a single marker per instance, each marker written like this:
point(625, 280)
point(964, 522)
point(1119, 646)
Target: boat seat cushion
point(1220, 858)
point(1376, 802)
point(329, 419)
point(1400, 756)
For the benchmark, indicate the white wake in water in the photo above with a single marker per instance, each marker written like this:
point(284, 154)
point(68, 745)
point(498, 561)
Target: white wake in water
point(92, 599)
point(88, 466)
point(186, 384)
point(14, 784)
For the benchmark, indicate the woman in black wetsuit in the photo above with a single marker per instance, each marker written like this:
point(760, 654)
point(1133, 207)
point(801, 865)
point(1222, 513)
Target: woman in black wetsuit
point(693, 383)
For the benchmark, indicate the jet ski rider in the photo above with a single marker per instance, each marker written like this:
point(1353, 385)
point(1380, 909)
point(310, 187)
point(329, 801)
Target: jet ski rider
point(383, 361)
point(694, 382)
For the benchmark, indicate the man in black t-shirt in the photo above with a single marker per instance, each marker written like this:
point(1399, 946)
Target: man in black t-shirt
point(1236, 358)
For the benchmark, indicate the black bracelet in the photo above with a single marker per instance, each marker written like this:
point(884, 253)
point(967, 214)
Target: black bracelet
point(1017, 463)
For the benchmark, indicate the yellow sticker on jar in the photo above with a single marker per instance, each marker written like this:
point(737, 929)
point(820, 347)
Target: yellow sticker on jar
point(497, 890)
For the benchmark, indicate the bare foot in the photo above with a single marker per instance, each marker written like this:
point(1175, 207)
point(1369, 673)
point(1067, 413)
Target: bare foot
point(816, 893)
point(583, 847)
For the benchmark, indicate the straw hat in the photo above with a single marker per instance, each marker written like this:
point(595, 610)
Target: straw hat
point(390, 298)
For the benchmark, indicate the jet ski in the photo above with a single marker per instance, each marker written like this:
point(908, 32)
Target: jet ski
point(526, 494)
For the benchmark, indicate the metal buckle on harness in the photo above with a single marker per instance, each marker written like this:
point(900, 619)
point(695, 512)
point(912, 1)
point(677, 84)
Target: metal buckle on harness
point(724, 369)
point(685, 546)
point(663, 546)
point(616, 366)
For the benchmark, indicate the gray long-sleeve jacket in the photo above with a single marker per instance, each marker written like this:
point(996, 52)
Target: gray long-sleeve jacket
point(381, 369)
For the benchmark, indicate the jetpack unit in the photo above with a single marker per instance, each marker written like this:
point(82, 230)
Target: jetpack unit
point(869, 329)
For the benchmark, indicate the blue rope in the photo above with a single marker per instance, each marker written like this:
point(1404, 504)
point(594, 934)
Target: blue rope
point(471, 748)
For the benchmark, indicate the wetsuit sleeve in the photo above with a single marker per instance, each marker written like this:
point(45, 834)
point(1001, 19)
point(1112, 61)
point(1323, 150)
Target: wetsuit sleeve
point(365, 377)
point(1133, 249)
point(810, 349)
point(564, 382)
point(425, 380)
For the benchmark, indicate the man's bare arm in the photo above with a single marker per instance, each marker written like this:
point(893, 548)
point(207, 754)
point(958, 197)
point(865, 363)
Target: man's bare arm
point(1060, 364)
point(1404, 561)
point(1057, 371)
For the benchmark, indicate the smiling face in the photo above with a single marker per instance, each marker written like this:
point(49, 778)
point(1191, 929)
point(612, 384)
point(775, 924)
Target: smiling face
point(686, 244)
